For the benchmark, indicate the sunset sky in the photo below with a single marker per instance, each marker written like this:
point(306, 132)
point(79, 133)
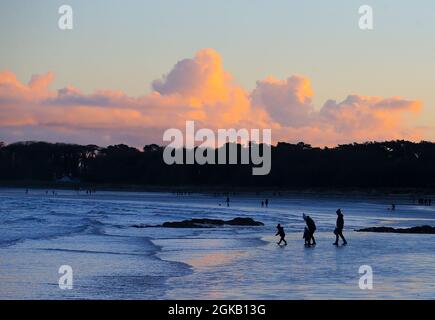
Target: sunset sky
point(131, 69)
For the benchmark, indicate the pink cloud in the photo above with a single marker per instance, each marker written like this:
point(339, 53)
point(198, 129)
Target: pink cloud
point(197, 89)
point(288, 102)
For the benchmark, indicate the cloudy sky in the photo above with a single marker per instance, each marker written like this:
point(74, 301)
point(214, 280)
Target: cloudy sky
point(131, 69)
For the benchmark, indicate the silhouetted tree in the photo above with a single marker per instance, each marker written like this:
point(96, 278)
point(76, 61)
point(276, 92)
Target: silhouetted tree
point(392, 164)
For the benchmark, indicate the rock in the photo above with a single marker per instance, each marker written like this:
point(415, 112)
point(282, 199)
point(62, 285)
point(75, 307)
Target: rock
point(377, 229)
point(413, 230)
point(194, 223)
point(211, 223)
point(244, 222)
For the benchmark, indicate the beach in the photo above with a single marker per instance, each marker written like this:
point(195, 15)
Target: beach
point(112, 259)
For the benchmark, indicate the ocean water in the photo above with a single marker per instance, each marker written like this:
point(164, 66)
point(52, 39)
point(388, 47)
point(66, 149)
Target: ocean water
point(111, 259)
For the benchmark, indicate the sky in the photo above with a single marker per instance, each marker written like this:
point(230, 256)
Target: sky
point(130, 69)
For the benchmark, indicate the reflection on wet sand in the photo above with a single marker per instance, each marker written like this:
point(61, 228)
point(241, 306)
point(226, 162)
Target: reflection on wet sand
point(211, 259)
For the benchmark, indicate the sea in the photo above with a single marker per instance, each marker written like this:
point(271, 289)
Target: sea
point(67, 244)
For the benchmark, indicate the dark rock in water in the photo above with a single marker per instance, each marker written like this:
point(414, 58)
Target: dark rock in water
point(418, 230)
point(194, 223)
point(211, 223)
point(244, 222)
point(377, 229)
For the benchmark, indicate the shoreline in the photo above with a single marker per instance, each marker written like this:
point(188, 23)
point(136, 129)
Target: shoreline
point(222, 190)
point(194, 263)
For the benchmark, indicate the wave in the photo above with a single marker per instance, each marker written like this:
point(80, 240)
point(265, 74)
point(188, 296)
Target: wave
point(46, 232)
point(91, 226)
point(25, 219)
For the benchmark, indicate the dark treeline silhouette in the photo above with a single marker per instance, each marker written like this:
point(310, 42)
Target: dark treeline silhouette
point(394, 164)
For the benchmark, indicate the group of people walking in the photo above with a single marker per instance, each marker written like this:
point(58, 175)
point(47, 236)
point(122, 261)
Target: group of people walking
point(310, 228)
point(425, 202)
point(263, 203)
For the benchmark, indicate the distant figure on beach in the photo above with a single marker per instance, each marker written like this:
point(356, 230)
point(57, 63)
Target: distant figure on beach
point(339, 228)
point(280, 232)
point(307, 236)
point(311, 226)
point(393, 207)
point(267, 202)
point(262, 204)
point(228, 201)
point(425, 202)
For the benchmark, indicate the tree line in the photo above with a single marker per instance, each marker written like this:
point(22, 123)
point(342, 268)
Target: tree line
point(390, 164)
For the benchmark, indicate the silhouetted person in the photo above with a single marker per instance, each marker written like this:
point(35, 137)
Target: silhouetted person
point(393, 207)
point(280, 232)
point(228, 201)
point(311, 228)
point(267, 203)
point(307, 237)
point(262, 204)
point(339, 228)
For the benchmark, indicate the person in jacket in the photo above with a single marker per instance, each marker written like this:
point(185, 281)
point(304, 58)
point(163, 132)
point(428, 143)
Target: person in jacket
point(311, 228)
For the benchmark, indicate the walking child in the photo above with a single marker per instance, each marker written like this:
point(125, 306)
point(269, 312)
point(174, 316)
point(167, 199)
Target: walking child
point(280, 232)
